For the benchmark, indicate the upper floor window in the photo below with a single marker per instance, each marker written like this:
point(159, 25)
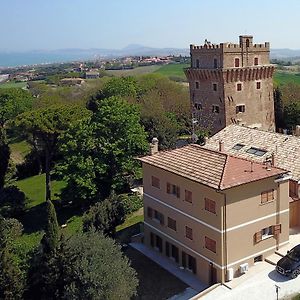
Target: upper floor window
point(293, 188)
point(172, 223)
point(247, 43)
point(240, 108)
point(258, 85)
point(197, 63)
point(215, 63)
point(215, 109)
point(155, 182)
point(197, 85)
point(189, 232)
point(173, 189)
point(255, 61)
point(159, 217)
point(198, 106)
point(267, 196)
point(149, 212)
point(215, 87)
point(210, 205)
point(210, 244)
point(238, 86)
point(188, 196)
point(236, 62)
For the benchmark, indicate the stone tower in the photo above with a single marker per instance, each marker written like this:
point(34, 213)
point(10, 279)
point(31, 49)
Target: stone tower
point(232, 83)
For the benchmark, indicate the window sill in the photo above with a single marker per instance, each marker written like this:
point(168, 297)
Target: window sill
point(268, 202)
point(267, 237)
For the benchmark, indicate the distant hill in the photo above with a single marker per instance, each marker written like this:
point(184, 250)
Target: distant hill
point(10, 59)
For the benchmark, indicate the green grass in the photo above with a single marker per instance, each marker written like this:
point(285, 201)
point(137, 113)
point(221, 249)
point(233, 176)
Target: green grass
point(133, 72)
point(173, 70)
point(13, 85)
point(19, 150)
point(34, 189)
point(286, 77)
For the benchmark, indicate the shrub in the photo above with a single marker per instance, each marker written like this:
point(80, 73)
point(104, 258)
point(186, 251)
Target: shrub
point(131, 202)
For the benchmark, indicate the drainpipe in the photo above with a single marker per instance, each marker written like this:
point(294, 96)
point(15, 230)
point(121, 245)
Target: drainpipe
point(225, 250)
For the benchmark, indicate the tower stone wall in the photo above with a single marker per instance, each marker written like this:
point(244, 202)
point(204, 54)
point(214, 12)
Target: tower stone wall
point(232, 83)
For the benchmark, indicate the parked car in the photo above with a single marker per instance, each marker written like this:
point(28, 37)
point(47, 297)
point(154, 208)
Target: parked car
point(289, 265)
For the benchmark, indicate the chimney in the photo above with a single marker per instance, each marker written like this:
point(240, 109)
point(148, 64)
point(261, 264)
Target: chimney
point(154, 146)
point(297, 130)
point(221, 146)
point(273, 160)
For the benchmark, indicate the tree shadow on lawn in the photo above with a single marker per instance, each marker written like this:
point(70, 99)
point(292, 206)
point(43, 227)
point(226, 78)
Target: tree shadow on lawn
point(275, 276)
point(35, 218)
point(124, 235)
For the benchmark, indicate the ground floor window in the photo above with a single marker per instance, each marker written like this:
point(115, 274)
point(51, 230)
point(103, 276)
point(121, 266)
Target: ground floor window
point(189, 262)
point(258, 258)
point(175, 253)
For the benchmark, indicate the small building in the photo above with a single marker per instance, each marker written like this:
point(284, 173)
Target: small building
point(212, 213)
point(71, 81)
point(261, 146)
point(92, 75)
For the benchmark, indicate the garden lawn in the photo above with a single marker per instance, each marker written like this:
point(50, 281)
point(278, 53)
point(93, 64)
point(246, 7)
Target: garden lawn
point(19, 150)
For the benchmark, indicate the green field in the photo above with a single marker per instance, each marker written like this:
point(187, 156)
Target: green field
point(133, 72)
point(286, 77)
point(173, 70)
point(13, 85)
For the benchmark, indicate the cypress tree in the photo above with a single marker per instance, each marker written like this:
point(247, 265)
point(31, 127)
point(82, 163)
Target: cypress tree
point(51, 237)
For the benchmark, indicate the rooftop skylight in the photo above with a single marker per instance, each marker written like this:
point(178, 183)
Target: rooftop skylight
point(256, 151)
point(238, 146)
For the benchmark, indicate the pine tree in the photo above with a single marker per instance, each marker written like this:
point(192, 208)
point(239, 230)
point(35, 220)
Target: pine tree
point(4, 155)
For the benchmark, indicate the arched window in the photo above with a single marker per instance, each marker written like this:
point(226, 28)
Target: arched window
point(236, 62)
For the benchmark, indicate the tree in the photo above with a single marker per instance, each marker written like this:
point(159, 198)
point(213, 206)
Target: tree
point(105, 216)
point(99, 152)
point(44, 126)
point(11, 277)
point(42, 276)
point(12, 103)
point(4, 155)
point(95, 268)
point(51, 236)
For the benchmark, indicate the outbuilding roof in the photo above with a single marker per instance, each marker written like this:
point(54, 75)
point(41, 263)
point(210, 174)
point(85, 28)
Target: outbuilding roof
point(258, 145)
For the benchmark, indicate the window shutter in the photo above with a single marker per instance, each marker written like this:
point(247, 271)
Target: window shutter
point(168, 188)
point(150, 212)
point(178, 191)
point(258, 237)
point(277, 229)
point(264, 197)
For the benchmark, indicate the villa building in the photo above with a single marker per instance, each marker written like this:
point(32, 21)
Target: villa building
point(212, 213)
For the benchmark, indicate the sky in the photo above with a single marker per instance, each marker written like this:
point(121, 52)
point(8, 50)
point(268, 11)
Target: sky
point(114, 24)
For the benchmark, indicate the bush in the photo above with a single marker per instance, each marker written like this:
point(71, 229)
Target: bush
point(131, 203)
point(12, 202)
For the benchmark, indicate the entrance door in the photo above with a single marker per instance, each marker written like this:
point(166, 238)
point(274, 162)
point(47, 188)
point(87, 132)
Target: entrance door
point(212, 274)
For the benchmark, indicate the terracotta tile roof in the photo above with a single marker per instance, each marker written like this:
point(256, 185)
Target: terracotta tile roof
point(212, 168)
point(286, 148)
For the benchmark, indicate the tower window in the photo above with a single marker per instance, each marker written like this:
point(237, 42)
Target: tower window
point(240, 109)
point(239, 87)
point(198, 106)
point(247, 43)
point(255, 61)
point(197, 85)
point(215, 109)
point(215, 63)
point(215, 87)
point(197, 63)
point(258, 85)
point(236, 62)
